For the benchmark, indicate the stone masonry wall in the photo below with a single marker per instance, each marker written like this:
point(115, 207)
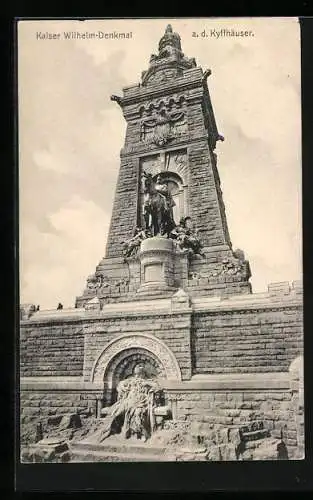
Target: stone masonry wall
point(204, 205)
point(51, 350)
point(60, 350)
point(203, 343)
point(173, 330)
point(246, 341)
point(235, 408)
point(37, 405)
point(296, 427)
point(215, 408)
point(124, 214)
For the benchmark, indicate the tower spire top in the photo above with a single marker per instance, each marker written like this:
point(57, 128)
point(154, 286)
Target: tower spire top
point(170, 61)
point(170, 39)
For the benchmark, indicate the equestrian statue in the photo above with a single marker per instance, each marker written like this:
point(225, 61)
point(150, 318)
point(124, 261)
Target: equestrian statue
point(157, 206)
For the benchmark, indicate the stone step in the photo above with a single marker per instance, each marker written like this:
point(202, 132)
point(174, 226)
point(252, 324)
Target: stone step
point(255, 435)
point(264, 449)
point(255, 425)
point(111, 447)
point(88, 456)
point(252, 445)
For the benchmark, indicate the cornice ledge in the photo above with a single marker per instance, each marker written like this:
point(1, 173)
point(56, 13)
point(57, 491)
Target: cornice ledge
point(145, 93)
point(146, 150)
point(234, 381)
point(57, 384)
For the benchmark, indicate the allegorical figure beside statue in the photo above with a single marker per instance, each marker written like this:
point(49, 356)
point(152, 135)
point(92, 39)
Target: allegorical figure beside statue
point(186, 237)
point(132, 414)
point(132, 245)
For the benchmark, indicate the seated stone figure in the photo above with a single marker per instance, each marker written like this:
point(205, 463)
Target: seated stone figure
point(133, 409)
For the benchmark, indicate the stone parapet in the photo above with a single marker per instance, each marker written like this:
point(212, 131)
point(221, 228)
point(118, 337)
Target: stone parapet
point(291, 297)
point(263, 300)
point(190, 79)
point(285, 288)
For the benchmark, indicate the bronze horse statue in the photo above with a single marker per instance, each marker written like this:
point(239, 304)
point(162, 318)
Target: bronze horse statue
point(157, 208)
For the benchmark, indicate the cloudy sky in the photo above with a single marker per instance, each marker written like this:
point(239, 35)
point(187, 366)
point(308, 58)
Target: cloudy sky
point(70, 136)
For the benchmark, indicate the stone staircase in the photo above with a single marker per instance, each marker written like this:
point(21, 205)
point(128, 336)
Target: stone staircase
point(252, 442)
point(253, 432)
point(249, 441)
point(257, 443)
point(112, 450)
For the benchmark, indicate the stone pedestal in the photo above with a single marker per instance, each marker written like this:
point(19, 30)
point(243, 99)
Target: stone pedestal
point(157, 265)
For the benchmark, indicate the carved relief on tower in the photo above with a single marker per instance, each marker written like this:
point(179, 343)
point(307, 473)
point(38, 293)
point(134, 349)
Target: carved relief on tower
point(93, 282)
point(171, 161)
point(235, 267)
point(151, 164)
point(102, 286)
point(160, 76)
point(176, 161)
point(163, 121)
point(171, 103)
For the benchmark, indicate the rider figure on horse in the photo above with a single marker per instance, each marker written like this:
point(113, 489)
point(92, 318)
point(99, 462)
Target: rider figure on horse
point(163, 189)
point(158, 212)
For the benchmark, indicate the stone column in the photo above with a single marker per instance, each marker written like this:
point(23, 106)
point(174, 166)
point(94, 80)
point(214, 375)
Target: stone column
point(99, 401)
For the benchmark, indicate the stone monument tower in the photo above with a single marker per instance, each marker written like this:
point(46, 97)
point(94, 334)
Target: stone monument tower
point(170, 141)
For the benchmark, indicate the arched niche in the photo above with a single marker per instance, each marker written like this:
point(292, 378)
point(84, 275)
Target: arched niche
point(122, 367)
point(121, 354)
point(176, 187)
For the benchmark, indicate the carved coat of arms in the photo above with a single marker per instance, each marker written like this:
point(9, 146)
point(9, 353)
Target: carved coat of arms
point(161, 129)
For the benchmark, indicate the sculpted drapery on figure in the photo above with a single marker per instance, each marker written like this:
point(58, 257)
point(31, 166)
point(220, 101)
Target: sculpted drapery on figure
point(133, 410)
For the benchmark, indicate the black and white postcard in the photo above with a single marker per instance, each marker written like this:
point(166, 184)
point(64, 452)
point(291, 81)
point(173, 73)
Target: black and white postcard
point(160, 240)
